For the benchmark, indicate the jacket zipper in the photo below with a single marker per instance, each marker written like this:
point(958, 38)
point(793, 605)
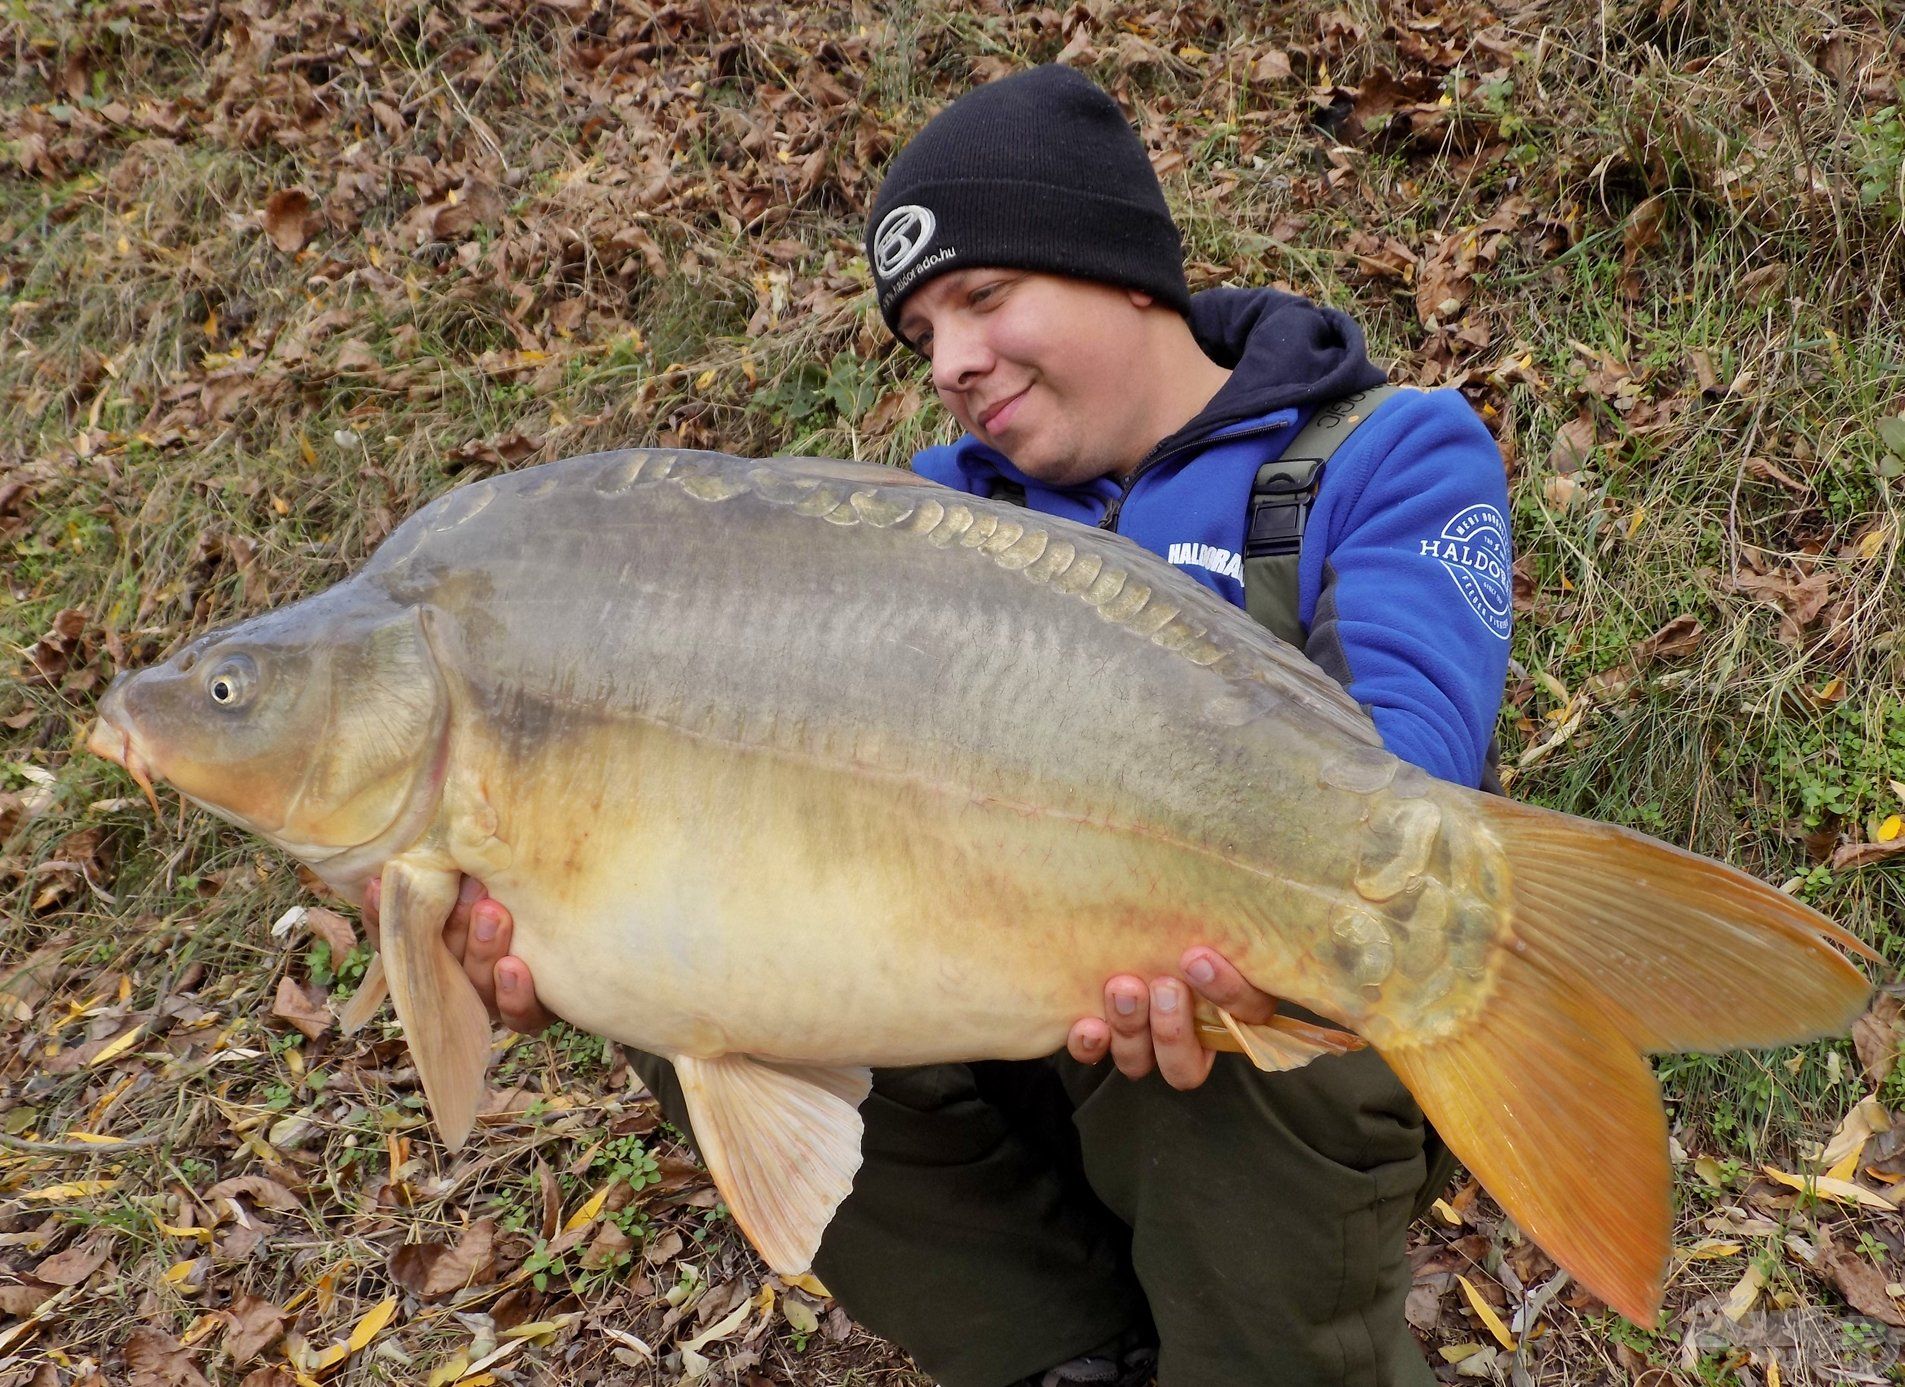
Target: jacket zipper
point(1110, 519)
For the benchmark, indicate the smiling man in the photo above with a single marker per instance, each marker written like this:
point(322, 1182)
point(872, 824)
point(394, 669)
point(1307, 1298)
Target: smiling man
point(1042, 1222)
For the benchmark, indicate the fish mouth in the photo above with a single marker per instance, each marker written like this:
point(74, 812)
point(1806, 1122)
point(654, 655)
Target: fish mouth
point(114, 743)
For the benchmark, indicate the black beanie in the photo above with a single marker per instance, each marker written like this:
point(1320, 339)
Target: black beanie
point(1036, 171)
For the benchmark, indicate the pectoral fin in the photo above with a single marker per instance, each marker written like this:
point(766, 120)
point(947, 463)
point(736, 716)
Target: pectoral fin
point(1283, 1042)
point(783, 1143)
point(443, 1018)
point(355, 1014)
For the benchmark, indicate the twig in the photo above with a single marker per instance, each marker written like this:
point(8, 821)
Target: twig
point(78, 1148)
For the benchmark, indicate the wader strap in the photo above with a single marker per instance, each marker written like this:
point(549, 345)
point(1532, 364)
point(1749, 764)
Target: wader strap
point(1280, 501)
point(1004, 490)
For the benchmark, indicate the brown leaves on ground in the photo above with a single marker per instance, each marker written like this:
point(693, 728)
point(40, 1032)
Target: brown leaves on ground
point(432, 1270)
point(156, 1359)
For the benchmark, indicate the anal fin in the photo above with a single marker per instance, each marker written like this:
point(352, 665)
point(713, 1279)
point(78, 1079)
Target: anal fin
point(1282, 1042)
point(355, 1014)
point(443, 1019)
point(783, 1144)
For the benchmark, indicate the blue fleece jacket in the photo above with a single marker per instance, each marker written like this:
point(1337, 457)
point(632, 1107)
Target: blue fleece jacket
point(1404, 576)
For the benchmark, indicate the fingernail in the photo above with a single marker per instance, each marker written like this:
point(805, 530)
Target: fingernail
point(1164, 997)
point(1125, 1003)
point(1201, 971)
point(485, 927)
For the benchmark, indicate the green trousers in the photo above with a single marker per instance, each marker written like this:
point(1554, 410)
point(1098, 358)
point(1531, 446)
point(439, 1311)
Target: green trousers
point(1009, 1216)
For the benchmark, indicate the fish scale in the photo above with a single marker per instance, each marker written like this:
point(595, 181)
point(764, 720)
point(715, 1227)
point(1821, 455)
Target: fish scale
point(790, 767)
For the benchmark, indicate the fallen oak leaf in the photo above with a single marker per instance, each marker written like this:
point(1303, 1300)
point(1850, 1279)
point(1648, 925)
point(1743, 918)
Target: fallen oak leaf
point(1879, 1035)
point(254, 1324)
point(159, 1360)
point(1862, 1284)
point(262, 1190)
point(294, 1006)
point(75, 1264)
point(289, 219)
point(433, 1270)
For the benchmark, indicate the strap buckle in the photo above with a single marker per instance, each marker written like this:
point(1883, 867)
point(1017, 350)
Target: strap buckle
point(1279, 508)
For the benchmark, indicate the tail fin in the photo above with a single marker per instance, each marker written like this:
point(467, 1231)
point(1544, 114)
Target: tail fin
point(1624, 945)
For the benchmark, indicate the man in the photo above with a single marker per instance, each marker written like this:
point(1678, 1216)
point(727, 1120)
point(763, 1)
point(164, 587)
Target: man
point(1039, 1222)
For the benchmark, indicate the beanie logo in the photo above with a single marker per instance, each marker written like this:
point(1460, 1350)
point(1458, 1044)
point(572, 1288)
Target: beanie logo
point(903, 234)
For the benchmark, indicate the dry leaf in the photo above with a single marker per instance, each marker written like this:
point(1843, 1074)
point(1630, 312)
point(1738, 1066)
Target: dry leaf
point(255, 1323)
point(295, 1006)
point(23, 1299)
point(261, 1190)
point(433, 1270)
point(1573, 443)
point(75, 1264)
point(289, 219)
point(336, 932)
point(1879, 1035)
point(159, 1360)
point(1860, 1282)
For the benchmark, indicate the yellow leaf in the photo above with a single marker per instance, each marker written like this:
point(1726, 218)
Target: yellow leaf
point(117, 1047)
point(1709, 1170)
point(368, 1327)
point(1744, 1293)
point(1446, 1212)
point(1457, 1353)
point(75, 1189)
point(1712, 1249)
point(1891, 828)
point(1874, 541)
point(326, 1359)
point(704, 380)
point(450, 1369)
point(1633, 525)
point(1826, 1187)
point(536, 1329)
point(809, 1283)
point(203, 1235)
point(764, 1300)
point(1487, 1314)
point(93, 1138)
point(1772, 1375)
point(588, 1211)
point(1847, 1165)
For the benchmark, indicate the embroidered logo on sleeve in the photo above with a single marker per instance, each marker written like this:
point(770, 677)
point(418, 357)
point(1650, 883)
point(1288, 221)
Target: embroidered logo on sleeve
point(1473, 548)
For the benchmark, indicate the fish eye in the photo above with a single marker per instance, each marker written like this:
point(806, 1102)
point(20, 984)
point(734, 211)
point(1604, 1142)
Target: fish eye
point(230, 681)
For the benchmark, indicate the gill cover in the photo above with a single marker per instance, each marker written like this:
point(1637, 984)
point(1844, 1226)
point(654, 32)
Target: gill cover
point(379, 751)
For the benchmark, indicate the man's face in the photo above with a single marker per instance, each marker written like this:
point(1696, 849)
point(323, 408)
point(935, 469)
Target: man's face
point(1049, 371)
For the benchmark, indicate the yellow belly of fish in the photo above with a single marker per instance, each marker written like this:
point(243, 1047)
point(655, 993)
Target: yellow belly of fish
point(689, 897)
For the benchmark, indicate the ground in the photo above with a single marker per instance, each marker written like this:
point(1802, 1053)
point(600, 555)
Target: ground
point(272, 275)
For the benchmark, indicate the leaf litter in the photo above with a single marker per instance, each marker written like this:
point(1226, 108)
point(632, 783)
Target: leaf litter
point(377, 265)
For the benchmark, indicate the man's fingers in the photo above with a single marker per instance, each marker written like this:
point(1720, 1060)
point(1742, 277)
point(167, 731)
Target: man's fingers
point(1127, 1008)
point(516, 998)
point(488, 943)
point(1088, 1040)
point(373, 893)
point(456, 930)
point(1182, 1058)
point(1216, 981)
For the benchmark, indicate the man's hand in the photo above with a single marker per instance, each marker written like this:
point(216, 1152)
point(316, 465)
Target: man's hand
point(477, 933)
point(1155, 1027)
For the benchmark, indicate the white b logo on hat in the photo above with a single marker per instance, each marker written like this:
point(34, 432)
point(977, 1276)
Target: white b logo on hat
point(903, 234)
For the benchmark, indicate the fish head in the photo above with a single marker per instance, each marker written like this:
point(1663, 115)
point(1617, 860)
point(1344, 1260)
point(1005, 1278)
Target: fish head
point(321, 726)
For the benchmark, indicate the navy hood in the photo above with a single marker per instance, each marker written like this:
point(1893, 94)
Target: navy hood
point(1282, 351)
